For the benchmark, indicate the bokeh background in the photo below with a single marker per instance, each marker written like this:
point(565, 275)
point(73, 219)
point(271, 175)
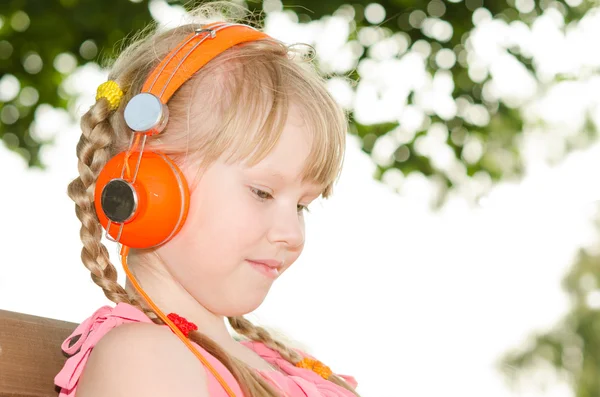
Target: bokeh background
point(459, 255)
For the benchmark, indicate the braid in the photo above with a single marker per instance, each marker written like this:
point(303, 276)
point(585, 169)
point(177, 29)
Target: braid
point(251, 383)
point(93, 151)
point(260, 334)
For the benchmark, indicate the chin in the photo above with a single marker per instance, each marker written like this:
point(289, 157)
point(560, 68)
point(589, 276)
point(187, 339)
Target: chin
point(243, 306)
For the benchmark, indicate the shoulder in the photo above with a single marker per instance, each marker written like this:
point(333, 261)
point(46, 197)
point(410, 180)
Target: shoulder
point(142, 359)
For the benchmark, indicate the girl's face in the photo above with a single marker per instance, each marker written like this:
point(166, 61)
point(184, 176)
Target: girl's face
point(239, 215)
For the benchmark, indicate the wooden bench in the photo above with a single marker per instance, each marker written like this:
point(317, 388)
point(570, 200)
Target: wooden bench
point(30, 354)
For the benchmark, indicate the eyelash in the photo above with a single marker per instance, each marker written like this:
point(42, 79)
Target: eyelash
point(257, 192)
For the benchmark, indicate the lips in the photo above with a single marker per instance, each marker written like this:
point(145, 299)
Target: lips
point(267, 267)
point(272, 263)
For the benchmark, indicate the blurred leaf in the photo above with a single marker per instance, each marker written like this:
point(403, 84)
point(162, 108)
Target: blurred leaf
point(572, 346)
point(57, 27)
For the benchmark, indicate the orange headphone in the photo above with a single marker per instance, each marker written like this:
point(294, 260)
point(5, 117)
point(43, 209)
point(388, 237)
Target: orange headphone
point(148, 207)
point(142, 198)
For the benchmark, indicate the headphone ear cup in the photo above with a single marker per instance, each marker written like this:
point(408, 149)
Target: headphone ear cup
point(161, 196)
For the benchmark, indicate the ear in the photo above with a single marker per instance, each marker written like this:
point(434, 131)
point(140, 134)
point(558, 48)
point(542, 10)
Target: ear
point(193, 170)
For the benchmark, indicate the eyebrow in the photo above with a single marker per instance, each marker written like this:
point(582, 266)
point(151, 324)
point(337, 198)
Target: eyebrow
point(280, 176)
point(276, 174)
point(268, 172)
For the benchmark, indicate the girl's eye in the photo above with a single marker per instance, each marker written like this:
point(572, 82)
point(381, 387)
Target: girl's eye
point(261, 194)
point(302, 208)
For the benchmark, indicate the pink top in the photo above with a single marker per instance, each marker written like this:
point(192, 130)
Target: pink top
point(290, 380)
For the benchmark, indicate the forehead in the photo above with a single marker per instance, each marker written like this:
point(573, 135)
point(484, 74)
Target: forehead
point(287, 161)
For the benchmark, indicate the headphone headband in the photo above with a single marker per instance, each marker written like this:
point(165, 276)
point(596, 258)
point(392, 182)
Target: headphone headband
point(147, 112)
point(181, 63)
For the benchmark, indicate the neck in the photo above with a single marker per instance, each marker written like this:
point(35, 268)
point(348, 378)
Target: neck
point(170, 297)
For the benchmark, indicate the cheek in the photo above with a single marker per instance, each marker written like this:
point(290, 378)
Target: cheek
point(220, 226)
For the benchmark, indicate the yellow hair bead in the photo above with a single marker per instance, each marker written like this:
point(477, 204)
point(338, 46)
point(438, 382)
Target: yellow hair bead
point(111, 91)
point(315, 366)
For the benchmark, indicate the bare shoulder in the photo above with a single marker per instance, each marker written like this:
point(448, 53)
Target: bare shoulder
point(142, 360)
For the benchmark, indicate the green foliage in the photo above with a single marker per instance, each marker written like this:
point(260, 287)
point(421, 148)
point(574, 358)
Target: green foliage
point(571, 347)
point(86, 28)
point(34, 33)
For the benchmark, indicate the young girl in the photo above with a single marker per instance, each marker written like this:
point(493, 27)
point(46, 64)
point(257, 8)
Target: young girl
point(200, 156)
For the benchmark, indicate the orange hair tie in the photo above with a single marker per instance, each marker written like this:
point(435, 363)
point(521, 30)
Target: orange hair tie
point(315, 366)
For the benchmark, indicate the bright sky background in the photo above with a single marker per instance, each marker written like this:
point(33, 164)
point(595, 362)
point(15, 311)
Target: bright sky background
point(410, 302)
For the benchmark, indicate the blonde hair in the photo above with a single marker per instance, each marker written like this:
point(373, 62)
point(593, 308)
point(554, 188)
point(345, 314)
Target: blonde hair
point(247, 90)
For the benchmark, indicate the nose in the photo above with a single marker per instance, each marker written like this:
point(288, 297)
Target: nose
point(287, 228)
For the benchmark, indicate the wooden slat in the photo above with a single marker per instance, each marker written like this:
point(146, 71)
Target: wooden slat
point(30, 354)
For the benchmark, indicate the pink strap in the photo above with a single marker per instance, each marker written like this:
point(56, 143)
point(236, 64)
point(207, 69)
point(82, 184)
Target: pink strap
point(90, 332)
